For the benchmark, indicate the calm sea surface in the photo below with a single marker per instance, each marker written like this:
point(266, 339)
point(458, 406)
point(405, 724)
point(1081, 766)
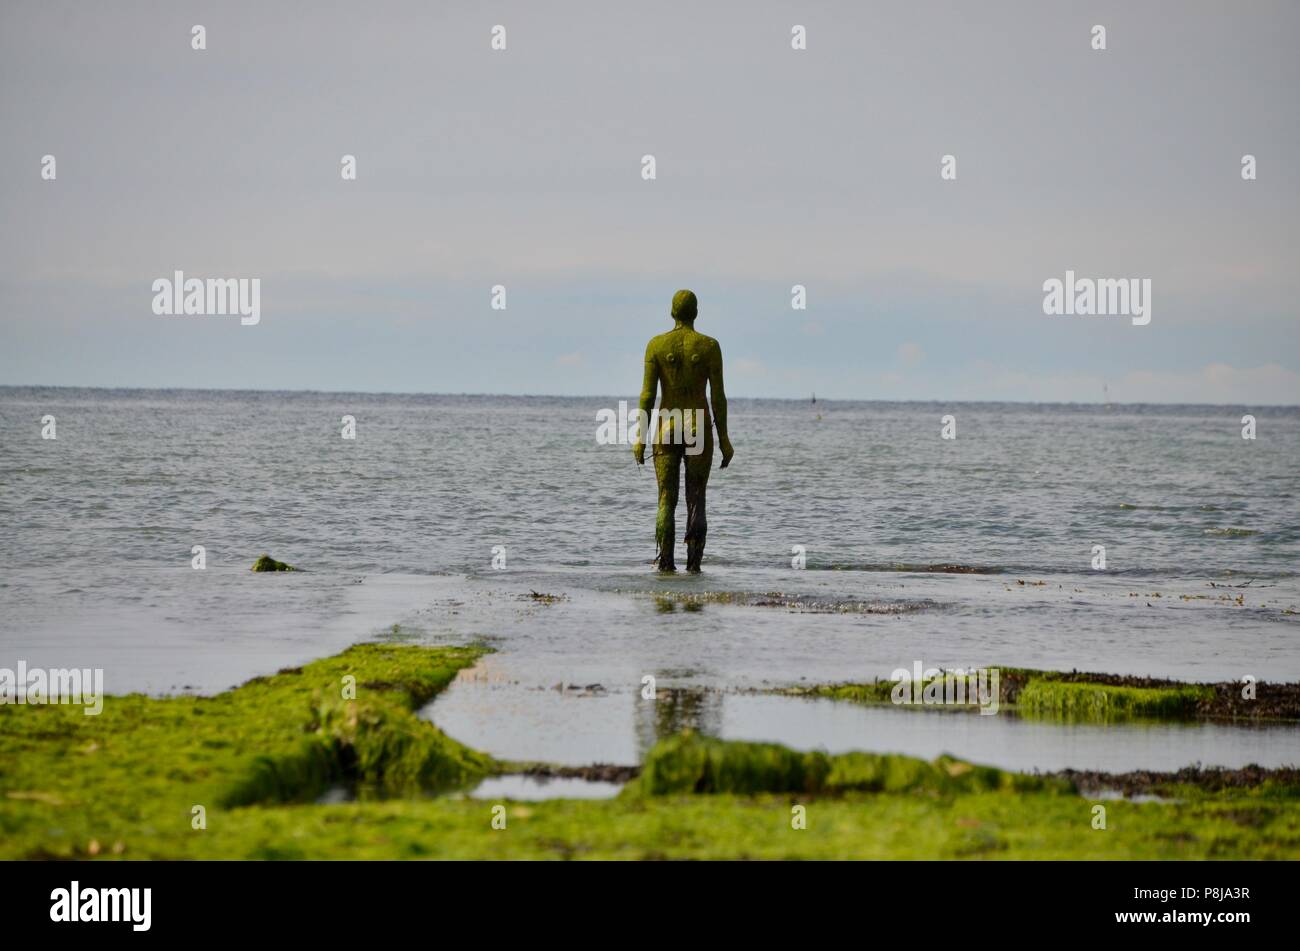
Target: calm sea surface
point(1201, 530)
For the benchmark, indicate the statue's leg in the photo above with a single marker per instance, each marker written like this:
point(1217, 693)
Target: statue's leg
point(697, 523)
point(668, 470)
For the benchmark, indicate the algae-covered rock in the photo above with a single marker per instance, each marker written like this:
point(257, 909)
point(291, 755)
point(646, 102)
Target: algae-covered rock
point(689, 763)
point(1102, 702)
point(1077, 696)
point(267, 563)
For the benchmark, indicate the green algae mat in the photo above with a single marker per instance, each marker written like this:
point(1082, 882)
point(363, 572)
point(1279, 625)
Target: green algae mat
point(1075, 696)
point(238, 775)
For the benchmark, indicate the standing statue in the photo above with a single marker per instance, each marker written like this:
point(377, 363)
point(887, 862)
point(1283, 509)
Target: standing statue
point(682, 361)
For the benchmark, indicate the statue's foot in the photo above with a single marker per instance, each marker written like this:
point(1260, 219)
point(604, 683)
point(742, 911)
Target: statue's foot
point(668, 569)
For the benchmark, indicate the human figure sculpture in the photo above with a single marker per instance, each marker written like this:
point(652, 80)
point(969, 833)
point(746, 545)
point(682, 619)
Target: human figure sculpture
point(680, 363)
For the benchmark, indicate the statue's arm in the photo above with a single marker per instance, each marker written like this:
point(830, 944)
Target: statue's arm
point(718, 400)
point(649, 386)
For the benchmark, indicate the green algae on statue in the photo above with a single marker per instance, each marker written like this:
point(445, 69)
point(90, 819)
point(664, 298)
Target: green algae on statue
point(680, 364)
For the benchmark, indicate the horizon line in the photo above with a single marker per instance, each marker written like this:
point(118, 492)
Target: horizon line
point(576, 396)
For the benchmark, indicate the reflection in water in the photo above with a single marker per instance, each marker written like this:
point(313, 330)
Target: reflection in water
point(1005, 740)
point(675, 709)
point(667, 605)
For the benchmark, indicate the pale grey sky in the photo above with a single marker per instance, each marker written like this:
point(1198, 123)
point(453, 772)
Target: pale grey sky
point(775, 167)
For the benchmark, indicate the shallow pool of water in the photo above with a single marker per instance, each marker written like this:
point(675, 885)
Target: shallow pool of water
point(537, 788)
point(579, 727)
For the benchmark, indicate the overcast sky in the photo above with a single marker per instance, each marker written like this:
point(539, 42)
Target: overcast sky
point(775, 167)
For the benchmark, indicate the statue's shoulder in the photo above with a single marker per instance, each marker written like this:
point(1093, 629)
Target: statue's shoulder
point(658, 343)
point(710, 344)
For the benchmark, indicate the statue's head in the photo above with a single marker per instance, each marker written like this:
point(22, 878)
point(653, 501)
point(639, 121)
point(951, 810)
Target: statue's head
point(684, 306)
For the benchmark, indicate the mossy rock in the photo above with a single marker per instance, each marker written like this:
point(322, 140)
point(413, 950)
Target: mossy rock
point(689, 763)
point(1076, 696)
point(267, 563)
point(1093, 702)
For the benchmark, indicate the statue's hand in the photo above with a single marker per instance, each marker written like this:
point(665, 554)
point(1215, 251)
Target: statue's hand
point(727, 452)
point(638, 450)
